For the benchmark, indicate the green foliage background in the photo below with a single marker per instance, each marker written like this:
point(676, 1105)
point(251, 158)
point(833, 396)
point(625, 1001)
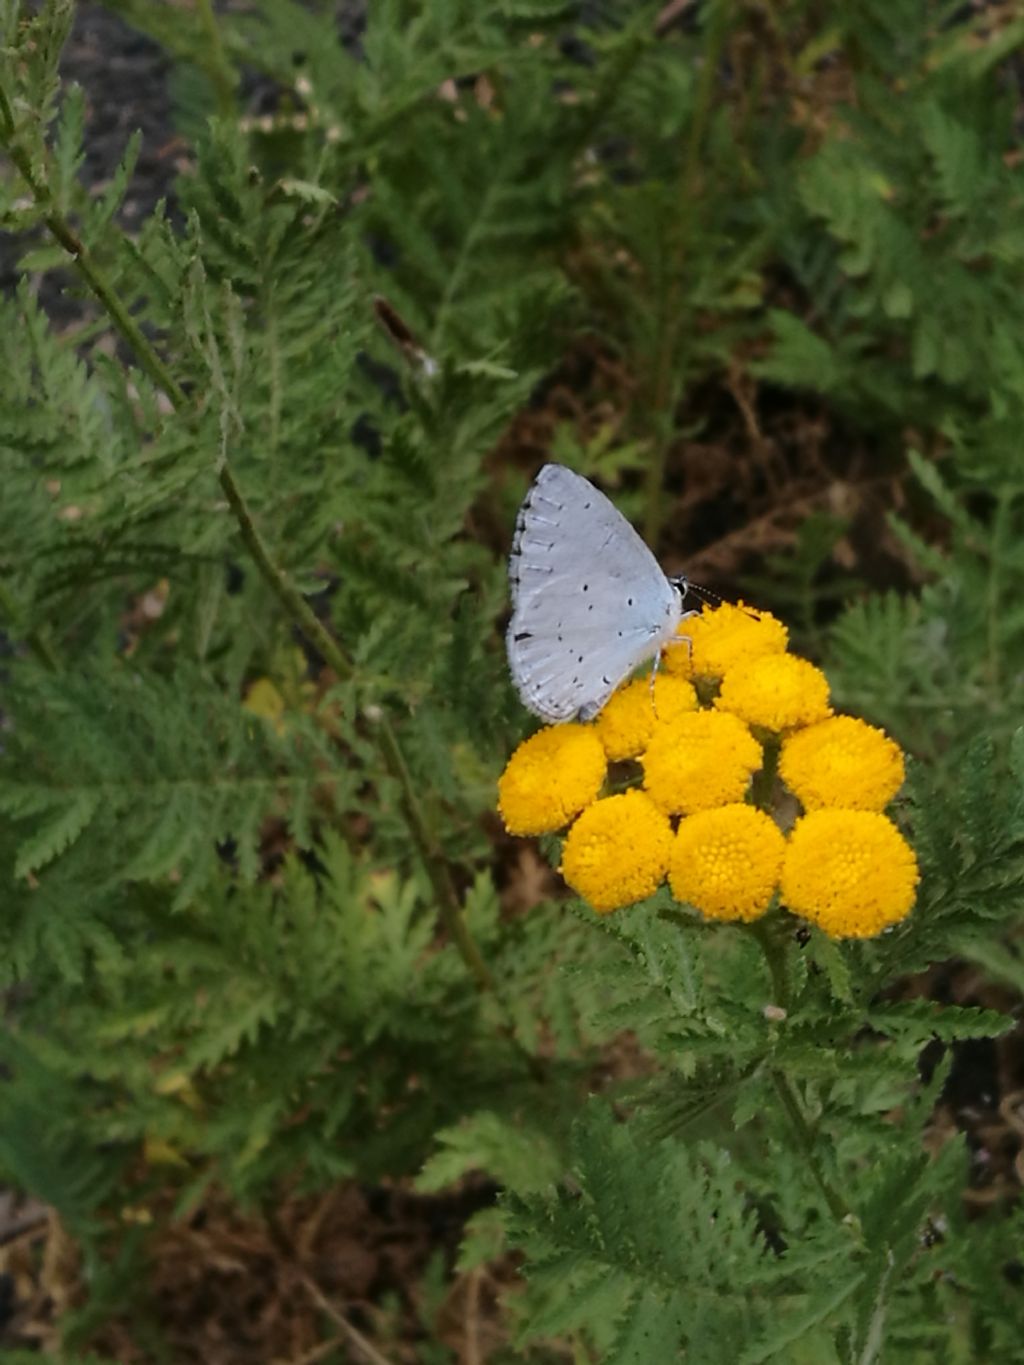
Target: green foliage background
point(262, 953)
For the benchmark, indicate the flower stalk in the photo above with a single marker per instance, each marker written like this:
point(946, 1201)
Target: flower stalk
point(766, 933)
point(769, 935)
point(762, 788)
point(838, 1206)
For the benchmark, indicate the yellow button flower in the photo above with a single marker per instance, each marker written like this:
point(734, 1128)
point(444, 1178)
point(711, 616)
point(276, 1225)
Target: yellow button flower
point(550, 778)
point(850, 871)
point(842, 762)
point(777, 691)
point(724, 636)
point(700, 760)
point(617, 852)
point(627, 722)
point(726, 862)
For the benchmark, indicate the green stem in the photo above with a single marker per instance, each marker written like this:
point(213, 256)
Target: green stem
point(279, 582)
point(765, 932)
point(717, 29)
point(670, 369)
point(220, 71)
point(69, 239)
point(294, 604)
point(433, 858)
point(805, 1138)
point(768, 932)
point(614, 81)
point(763, 786)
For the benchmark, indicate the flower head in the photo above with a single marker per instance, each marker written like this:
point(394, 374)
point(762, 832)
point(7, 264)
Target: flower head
point(843, 762)
point(617, 852)
point(698, 761)
point(550, 778)
point(726, 862)
point(724, 636)
point(776, 691)
point(850, 871)
point(627, 722)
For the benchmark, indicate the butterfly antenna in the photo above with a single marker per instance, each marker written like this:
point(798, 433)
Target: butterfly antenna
point(713, 599)
point(707, 595)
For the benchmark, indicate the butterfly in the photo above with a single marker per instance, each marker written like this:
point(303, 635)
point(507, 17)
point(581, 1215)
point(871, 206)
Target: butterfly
point(590, 603)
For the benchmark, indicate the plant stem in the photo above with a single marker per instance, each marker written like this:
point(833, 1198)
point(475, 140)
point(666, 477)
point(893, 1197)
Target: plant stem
point(279, 582)
point(69, 239)
point(765, 933)
point(837, 1205)
point(764, 779)
point(312, 627)
point(294, 604)
point(433, 858)
point(669, 367)
point(221, 73)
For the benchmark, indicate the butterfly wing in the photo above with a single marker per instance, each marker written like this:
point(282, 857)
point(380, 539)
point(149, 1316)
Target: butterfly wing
point(590, 601)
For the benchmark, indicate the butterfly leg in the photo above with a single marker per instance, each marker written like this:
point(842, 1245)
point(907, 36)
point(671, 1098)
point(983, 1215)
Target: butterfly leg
point(671, 644)
point(677, 640)
point(654, 673)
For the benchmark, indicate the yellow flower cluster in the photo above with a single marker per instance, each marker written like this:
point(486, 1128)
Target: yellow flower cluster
point(699, 808)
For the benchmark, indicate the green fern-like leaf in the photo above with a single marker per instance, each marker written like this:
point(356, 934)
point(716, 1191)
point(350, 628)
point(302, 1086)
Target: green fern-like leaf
point(642, 1252)
point(157, 772)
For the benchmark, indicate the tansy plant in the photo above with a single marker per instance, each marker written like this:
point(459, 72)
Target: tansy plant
point(742, 789)
point(766, 1192)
